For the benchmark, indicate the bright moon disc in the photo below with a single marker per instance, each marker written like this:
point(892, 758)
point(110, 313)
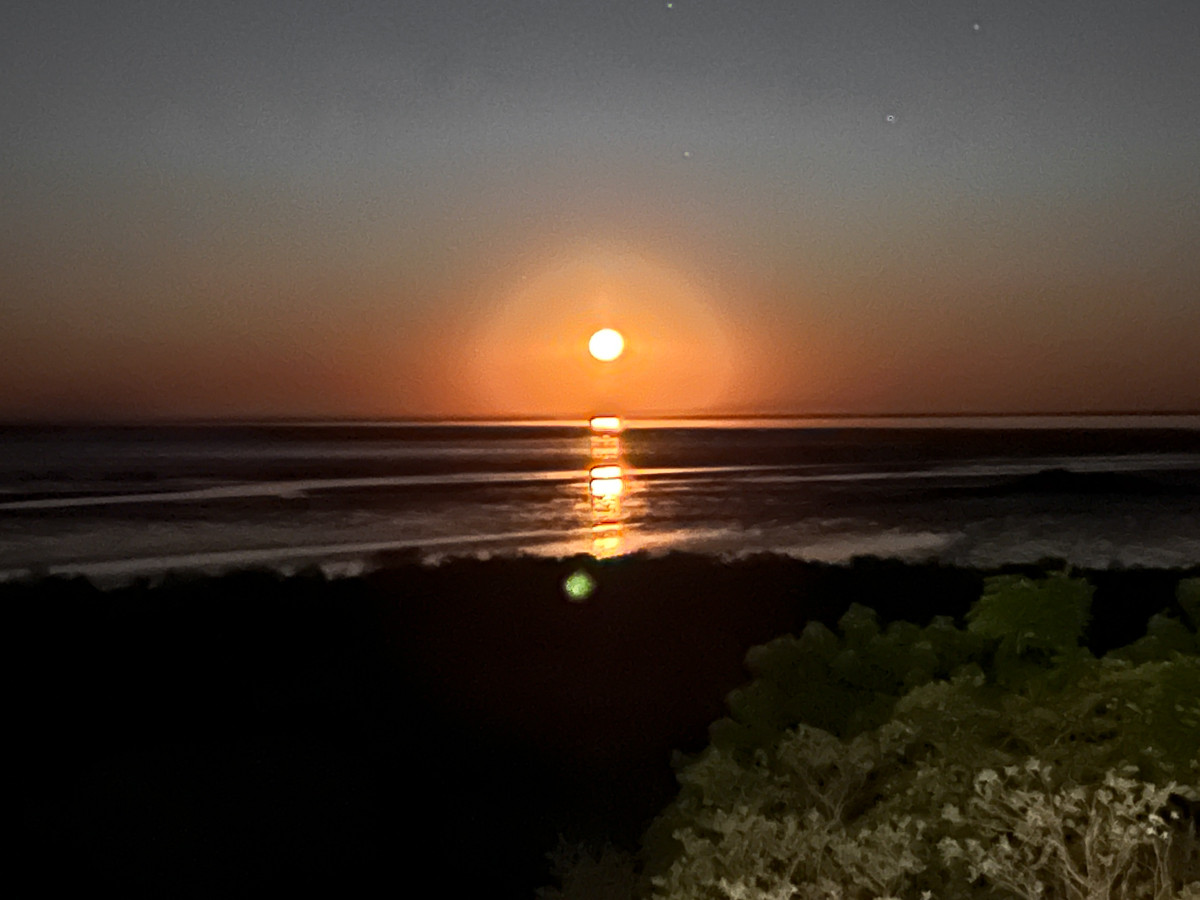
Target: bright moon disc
point(606, 344)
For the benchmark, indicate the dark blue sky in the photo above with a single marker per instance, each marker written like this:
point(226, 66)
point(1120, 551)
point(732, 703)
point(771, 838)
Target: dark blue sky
point(423, 208)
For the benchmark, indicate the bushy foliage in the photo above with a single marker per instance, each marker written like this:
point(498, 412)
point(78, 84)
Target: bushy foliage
point(1025, 832)
point(844, 684)
point(1112, 713)
point(918, 806)
point(788, 824)
point(1032, 622)
point(1000, 760)
point(1021, 830)
point(1167, 635)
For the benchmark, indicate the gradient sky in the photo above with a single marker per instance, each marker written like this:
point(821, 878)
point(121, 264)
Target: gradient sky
point(424, 208)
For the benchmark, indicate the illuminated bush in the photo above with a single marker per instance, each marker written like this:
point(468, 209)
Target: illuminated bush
point(824, 817)
point(789, 824)
point(1029, 835)
point(1002, 760)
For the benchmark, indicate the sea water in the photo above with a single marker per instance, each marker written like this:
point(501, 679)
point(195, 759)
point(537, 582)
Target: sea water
point(115, 503)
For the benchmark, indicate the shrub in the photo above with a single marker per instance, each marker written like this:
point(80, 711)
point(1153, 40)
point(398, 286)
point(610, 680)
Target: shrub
point(1029, 835)
point(1034, 624)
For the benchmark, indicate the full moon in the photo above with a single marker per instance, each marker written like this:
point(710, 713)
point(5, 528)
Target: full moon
point(606, 344)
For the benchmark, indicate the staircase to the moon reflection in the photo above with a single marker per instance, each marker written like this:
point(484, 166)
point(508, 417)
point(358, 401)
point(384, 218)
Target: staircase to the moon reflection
point(606, 485)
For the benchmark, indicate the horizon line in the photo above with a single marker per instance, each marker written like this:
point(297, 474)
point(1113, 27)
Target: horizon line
point(534, 420)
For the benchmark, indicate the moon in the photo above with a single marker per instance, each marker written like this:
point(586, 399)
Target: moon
point(606, 344)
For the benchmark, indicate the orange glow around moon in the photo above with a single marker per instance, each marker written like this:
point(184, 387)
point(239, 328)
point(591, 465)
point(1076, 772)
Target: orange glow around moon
point(533, 344)
point(606, 344)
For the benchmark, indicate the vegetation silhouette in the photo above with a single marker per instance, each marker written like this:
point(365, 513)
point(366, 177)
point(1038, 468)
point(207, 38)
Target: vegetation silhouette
point(253, 732)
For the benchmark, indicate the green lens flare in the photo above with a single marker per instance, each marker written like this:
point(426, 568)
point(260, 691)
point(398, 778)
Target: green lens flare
point(578, 586)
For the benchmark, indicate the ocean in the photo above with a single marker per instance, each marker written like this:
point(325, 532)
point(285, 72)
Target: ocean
point(117, 503)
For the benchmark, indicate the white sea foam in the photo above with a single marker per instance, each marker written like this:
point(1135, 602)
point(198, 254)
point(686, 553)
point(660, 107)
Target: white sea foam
point(918, 545)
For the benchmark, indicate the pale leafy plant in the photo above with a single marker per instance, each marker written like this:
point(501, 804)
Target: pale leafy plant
point(1032, 837)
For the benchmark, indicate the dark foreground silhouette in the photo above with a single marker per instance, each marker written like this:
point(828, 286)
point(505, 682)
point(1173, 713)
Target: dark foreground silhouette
point(246, 734)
